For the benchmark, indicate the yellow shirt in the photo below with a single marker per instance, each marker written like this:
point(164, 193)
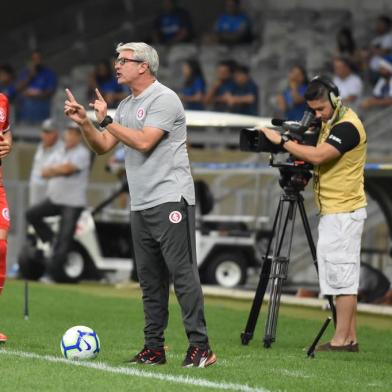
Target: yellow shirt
point(339, 184)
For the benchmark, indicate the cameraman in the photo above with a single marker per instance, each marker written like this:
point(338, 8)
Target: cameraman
point(339, 159)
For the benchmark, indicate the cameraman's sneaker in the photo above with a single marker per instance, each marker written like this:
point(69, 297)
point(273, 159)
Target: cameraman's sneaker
point(149, 356)
point(199, 357)
point(3, 338)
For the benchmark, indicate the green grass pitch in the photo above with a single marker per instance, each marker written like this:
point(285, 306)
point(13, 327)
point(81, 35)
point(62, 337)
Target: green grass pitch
point(31, 359)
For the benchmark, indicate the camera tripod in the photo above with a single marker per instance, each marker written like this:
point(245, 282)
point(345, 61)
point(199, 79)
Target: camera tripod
point(275, 266)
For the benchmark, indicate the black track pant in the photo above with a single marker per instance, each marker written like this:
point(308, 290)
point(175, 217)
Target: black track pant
point(164, 249)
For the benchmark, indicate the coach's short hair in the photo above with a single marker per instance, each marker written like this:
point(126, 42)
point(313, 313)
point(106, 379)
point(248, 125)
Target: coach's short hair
point(144, 52)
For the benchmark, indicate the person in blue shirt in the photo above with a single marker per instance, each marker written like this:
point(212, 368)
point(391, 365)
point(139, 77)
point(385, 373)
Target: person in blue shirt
point(103, 79)
point(173, 24)
point(244, 97)
point(291, 102)
point(35, 86)
point(193, 91)
point(222, 85)
point(7, 84)
point(233, 26)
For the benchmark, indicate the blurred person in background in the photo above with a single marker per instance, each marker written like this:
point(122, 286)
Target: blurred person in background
point(291, 103)
point(223, 84)
point(193, 91)
point(5, 149)
point(7, 82)
point(244, 96)
point(48, 146)
point(36, 85)
point(233, 26)
point(350, 85)
point(103, 78)
point(173, 25)
point(67, 173)
point(346, 46)
point(382, 91)
point(380, 46)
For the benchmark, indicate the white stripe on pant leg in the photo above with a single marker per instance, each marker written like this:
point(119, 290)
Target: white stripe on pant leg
point(136, 372)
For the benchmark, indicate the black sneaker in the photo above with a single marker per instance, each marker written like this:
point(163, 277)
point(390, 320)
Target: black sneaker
point(199, 357)
point(149, 356)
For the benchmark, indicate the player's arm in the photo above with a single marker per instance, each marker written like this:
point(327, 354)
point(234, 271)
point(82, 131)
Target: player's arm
point(5, 143)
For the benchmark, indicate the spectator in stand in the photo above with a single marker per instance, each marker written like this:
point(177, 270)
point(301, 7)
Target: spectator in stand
point(103, 79)
point(244, 96)
point(222, 85)
point(35, 85)
point(346, 46)
point(7, 82)
point(233, 26)
point(382, 92)
point(381, 45)
point(291, 102)
point(49, 145)
point(349, 83)
point(193, 91)
point(173, 24)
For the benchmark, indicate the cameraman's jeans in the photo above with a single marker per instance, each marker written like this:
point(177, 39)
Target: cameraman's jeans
point(164, 248)
point(68, 218)
point(338, 252)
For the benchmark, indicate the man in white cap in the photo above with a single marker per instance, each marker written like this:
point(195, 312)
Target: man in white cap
point(48, 146)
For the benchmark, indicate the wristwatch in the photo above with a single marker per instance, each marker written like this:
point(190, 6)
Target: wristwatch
point(105, 122)
point(284, 139)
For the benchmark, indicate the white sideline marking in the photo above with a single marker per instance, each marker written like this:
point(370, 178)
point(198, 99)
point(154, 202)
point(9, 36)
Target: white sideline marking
point(201, 382)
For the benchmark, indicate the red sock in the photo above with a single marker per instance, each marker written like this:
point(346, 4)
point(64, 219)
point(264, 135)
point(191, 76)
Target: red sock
point(3, 263)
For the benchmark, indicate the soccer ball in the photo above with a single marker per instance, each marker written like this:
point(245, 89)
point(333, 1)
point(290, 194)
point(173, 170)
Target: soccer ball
point(80, 343)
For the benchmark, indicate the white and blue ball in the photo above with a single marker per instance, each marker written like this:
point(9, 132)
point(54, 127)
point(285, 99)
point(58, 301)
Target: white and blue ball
point(80, 343)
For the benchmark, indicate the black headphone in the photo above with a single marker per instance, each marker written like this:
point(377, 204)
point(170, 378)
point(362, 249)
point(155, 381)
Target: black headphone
point(333, 91)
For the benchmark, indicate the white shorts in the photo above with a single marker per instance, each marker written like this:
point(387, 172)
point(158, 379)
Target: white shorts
point(338, 252)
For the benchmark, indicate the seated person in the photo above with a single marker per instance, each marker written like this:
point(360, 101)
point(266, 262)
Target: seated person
point(382, 91)
point(223, 84)
point(66, 195)
point(173, 24)
point(103, 79)
point(348, 82)
point(192, 93)
point(233, 26)
point(36, 85)
point(244, 96)
point(381, 44)
point(291, 102)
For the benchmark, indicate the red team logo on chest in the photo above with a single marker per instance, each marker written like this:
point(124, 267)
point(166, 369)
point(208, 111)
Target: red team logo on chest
point(140, 114)
point(175, 217)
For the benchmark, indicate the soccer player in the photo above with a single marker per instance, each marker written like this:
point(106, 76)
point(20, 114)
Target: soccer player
point(5, 148)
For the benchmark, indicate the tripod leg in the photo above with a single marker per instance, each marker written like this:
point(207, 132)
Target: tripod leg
point(247, 335)
point(278, 276)
point(313, 251)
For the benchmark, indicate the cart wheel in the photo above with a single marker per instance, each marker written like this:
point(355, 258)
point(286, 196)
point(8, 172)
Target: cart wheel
point(31, 262)
point(70, 269)
point(227, 269)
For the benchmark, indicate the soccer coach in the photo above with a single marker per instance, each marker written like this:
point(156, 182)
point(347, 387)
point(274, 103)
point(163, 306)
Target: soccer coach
point(150, 123)
point(339, 159)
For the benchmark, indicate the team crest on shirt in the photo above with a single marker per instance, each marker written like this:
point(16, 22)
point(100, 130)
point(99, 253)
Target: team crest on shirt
point(2, 115)
point(6, 214)
point(175, 217)
point(140, 113)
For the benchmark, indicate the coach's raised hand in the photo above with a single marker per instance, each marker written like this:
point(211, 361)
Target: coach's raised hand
point(74, 110)
point(100, 107)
